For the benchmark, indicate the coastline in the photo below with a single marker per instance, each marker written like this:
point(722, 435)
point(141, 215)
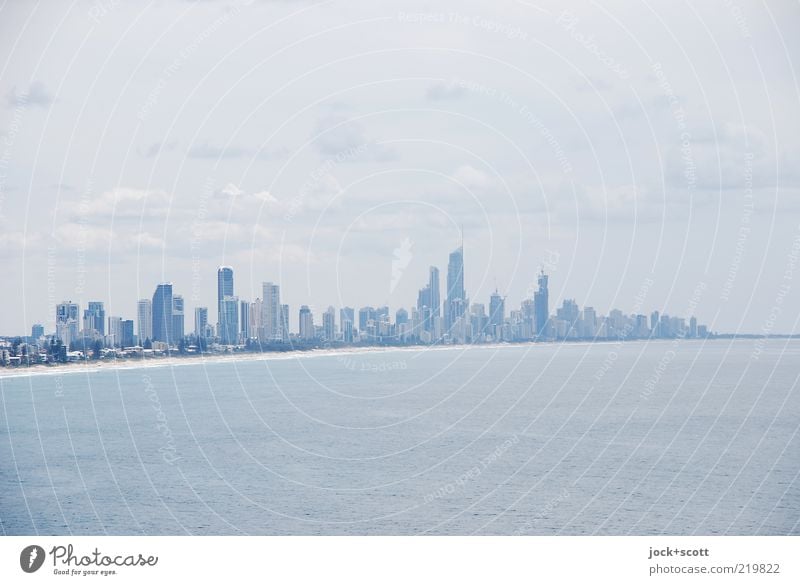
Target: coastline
point(90, 367)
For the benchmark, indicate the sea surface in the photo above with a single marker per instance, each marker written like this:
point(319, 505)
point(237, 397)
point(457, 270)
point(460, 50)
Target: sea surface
point(660, 437)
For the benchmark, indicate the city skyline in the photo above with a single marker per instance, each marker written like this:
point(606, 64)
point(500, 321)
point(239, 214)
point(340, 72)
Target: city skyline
point(161, 321)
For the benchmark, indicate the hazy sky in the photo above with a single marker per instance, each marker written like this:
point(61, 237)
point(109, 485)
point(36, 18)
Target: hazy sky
point(647, 153)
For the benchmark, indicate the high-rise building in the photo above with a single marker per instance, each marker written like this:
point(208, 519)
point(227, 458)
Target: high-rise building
point(256, 309)
point(144, 320)
point(655, 323)
point(497, 314)
point(271, 312)
point(37, 331)
point(306, 323)
point(542, 306)
point(200, 321)
point(329, 324)
point(435, 301)
point(227, 328)
point(114, 337)
point(178, 318)
point(128, 338)
point(244, 320)
point(162, 313)
point(456, 301)
point(67, 314)
point(94, 318)
point(347, 314)
point(285, 323)
point(401, 316)
point(224, 289)
point(365, 315)
point(693, 327)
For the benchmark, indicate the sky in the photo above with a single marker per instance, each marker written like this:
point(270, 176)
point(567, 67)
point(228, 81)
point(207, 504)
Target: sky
point(645, 154)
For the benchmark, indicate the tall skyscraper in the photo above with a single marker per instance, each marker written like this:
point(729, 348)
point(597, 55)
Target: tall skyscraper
point(178, 317)
point(271, 312)
point(162, 313)
point(285, 323)
point(37, 331)
point(67, 314)
point(329, 324)
point(306, 325)
point(244, 320)
point(114, 337)
point(433, 294)
point(94, 318)
point(542, 306)
point(227, 330)
point(456, 301)
point(228, 326)
point(200, 321)
point(497, 313)
point(144, 320)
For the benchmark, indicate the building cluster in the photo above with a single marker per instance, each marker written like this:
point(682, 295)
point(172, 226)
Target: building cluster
point(264, 324)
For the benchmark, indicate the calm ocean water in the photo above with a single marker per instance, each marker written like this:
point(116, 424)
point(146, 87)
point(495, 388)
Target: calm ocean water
point(640, 438)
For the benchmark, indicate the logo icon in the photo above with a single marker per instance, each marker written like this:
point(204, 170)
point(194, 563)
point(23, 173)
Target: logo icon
point(31, 558)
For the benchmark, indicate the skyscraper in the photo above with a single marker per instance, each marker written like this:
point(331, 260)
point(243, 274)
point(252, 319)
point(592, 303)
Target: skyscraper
point(178, 322)
point(285, 323)
point(128, 339)
point(67, 322)
point(433, 294)
point(271, 312)
point(94, 318)
point(162, 313)
point(200, 321)
point(306, 326)
point(227, 330)
point(456, 302)
point(244, 320)
point(497, 314)
point(114, 337)
point(542, 306)
point(329, 324)
point(144, 320)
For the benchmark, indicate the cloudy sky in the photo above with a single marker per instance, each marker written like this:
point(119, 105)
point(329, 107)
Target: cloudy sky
point(646, 153)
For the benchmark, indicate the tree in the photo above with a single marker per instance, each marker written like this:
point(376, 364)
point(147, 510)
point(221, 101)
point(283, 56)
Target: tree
point(96, 349)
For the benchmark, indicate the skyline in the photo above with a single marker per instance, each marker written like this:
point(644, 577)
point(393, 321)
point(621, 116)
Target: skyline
point(453, 319)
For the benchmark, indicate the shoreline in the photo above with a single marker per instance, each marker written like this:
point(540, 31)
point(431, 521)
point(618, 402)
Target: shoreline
point(213, 359)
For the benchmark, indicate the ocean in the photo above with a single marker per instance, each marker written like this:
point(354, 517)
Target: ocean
point(662, 437)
